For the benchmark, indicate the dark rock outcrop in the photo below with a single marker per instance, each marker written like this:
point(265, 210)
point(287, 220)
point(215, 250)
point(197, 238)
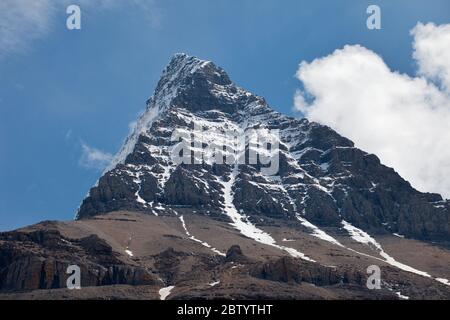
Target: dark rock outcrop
point(39, 260)
point(234, 254)
point(288, 269)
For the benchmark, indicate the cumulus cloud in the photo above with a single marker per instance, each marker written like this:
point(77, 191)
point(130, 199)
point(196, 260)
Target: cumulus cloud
point(432, 52)
point(24, 21)
point(92, 158)
point(403, 119)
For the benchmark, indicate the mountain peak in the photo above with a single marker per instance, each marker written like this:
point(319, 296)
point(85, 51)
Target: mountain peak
point(198, 85)
point(322, 177)
point(183, 69)
point(193, 84)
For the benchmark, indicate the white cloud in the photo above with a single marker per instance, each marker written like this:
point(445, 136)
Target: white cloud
point(402, 119)
point(25, 21)
point(432, 51)
point(92, 158)
point(22, 21)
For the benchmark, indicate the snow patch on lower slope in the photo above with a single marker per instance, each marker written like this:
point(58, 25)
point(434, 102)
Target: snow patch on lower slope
point(316, 232)
point(444, 281)
point(205, 244)
point(355, 233)
point(362, 237)
point(401, 296)
point(213, 284)
point(165, 292)
point(245, 227)
point(398, 294)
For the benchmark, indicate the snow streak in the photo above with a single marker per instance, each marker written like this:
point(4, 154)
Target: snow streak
point(205, 244)
point(241, 222)
point(362, 237)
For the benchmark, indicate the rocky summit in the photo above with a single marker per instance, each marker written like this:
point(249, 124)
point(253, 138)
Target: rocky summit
point(156, 228)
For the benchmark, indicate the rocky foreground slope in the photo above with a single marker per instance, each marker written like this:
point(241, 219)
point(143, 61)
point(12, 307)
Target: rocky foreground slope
point(210, 230)
point(129, 255)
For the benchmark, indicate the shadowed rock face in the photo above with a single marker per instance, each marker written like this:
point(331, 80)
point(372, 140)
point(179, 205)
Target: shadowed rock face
point(286, 269)
point(322, 176)
point(39, 260)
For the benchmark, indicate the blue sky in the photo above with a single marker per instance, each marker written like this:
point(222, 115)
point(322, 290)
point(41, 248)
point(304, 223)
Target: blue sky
point(62, 89)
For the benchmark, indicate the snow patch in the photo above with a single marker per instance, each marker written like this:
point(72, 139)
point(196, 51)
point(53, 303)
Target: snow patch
point(129, 252)
point(324, 166)
point(444, 281)
point(399, 294)
point(316, 232)
point(245, 227)
point(215, 283)
point(165, 292)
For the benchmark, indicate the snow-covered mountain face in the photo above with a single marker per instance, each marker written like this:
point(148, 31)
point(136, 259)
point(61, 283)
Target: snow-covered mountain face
point(323, 181)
